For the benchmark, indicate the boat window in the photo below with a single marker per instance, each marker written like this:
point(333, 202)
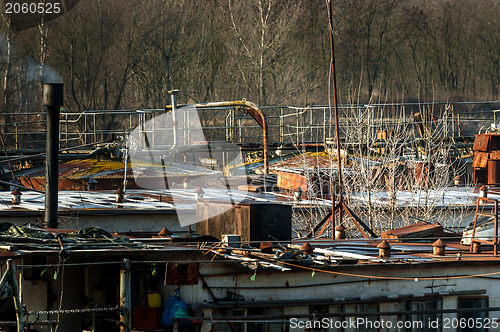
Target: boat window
point(223, 327)
point(361, 322)
point(425, 306)
point(251, 326)
point(371, 321)
point(319, 309)
point(473, 302)
point(260, 327)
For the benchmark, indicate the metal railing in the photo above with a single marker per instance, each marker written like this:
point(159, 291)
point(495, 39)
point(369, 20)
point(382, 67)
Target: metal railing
point(287, 125)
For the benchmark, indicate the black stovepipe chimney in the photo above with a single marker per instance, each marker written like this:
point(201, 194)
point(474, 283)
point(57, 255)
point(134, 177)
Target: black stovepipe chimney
point(53, 100)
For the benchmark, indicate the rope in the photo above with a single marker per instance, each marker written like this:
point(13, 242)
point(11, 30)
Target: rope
point(392, 278)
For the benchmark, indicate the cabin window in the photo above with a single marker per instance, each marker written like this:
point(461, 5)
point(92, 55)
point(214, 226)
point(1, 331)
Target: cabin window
point(348, 309)
point(251, 326)
point(363, 323)
point(421, 320)
point(318, 309)
point(261, 327)
point(476, 319)
point(371, 321)
point(223, 327)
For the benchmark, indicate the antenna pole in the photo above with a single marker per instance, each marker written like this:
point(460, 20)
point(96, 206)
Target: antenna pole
point(337, 131)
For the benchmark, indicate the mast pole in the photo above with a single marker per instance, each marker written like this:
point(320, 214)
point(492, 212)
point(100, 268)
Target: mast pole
point(337, 131)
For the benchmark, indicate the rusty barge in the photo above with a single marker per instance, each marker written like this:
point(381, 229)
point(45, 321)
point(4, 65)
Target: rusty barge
point(106, 260)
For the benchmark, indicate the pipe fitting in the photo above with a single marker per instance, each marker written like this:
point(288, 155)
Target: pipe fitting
point(340, 233)
point(16, 196)
point(384, 249)
point(439, 248)
point(119, 195)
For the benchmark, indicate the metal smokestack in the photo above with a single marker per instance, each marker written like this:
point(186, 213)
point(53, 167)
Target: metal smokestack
point(53, 100)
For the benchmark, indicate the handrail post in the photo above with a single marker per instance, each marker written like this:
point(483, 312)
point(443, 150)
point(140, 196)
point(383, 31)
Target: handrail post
point(257, 114)
point(125, 300)
point(495, 246)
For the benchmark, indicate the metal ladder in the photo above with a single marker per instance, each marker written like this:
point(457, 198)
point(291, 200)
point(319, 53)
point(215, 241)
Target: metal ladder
point(493, 215)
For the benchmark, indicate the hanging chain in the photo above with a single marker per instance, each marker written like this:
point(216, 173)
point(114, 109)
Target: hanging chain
point(72, 311)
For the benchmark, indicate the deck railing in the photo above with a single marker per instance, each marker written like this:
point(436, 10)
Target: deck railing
point(287, 125)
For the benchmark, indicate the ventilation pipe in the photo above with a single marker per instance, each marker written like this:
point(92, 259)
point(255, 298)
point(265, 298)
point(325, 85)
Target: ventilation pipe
point(16, 196)
point(175, 123)
point(53, 100)
point(439, 248)
point(384, 249)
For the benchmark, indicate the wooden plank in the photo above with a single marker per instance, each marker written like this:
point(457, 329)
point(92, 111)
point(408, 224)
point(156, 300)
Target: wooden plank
point(490, 242)
point(485, 214)
point(418, 230)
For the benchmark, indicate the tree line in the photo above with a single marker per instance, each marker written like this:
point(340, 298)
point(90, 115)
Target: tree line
point(118, 54)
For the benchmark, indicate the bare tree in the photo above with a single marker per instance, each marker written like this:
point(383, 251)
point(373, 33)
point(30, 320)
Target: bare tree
point(489, 44)
point(261, 29)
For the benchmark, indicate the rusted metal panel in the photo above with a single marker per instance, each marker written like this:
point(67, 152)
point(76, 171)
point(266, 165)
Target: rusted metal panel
point(109, 176)
point(480, 160)
point(418, 230)
point(182, 273)
point(310, 160)
point(495, 155)
point(481, 143)
point(493, 171)
point(251, 188)
point(110, 182)
point(292, 181)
